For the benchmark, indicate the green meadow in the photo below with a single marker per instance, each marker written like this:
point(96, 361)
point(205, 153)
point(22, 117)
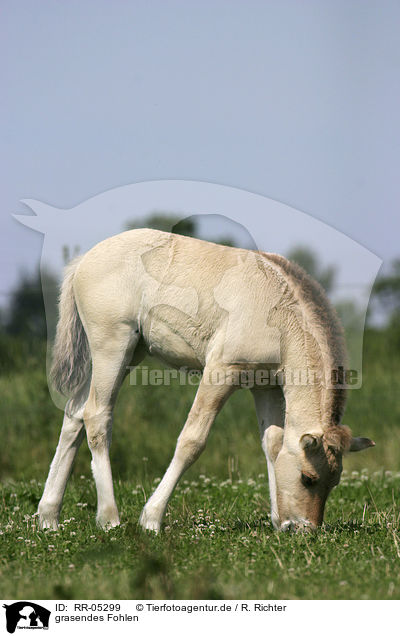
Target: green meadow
point(217, 540)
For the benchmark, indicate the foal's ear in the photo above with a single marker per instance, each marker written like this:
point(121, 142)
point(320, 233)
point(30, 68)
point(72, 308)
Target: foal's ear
point(340, 439)
point(359, 443)
point(310, 441)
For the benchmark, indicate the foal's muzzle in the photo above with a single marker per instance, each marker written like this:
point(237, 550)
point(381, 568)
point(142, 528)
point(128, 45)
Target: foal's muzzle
point(300, 525)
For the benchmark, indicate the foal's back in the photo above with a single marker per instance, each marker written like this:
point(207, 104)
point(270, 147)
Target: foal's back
point(181, 293)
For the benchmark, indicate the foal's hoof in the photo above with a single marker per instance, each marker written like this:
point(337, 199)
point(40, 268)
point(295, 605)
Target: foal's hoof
point(107, 521)
point(48, 524)
point(148, 523)
point(48, 517)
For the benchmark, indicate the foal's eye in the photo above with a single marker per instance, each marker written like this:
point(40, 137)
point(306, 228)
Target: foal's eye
point(308, 480)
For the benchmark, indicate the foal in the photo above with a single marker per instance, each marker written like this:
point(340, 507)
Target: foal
point(229, 312)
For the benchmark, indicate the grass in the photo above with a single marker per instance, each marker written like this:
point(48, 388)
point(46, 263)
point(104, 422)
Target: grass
point(217, 543)
point(148, 421)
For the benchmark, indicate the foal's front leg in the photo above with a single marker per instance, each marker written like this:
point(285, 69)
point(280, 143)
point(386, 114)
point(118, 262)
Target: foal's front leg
point(191, 442)
point(270, 408)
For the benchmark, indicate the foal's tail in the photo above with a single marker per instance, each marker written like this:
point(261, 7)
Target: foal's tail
point(71, 354)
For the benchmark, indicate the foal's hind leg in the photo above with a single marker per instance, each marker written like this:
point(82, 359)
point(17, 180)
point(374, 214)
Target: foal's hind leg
point(191, 442)
point(110, 356)
point(71, 437)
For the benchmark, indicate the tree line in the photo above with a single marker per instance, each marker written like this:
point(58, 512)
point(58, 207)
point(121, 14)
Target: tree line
point(23, 316)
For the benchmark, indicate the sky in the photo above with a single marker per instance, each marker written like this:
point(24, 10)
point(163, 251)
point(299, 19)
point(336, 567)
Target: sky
point(295, 101)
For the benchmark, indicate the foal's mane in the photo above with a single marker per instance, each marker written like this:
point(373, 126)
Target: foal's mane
point(324, 325)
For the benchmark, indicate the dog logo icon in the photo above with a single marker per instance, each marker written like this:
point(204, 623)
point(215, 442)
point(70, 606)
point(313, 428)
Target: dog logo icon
point(26, 615)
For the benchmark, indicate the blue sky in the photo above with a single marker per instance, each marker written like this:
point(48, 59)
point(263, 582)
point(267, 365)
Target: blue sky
point(297, 101)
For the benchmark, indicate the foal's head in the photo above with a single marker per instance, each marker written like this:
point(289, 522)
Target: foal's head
point(306, 470)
